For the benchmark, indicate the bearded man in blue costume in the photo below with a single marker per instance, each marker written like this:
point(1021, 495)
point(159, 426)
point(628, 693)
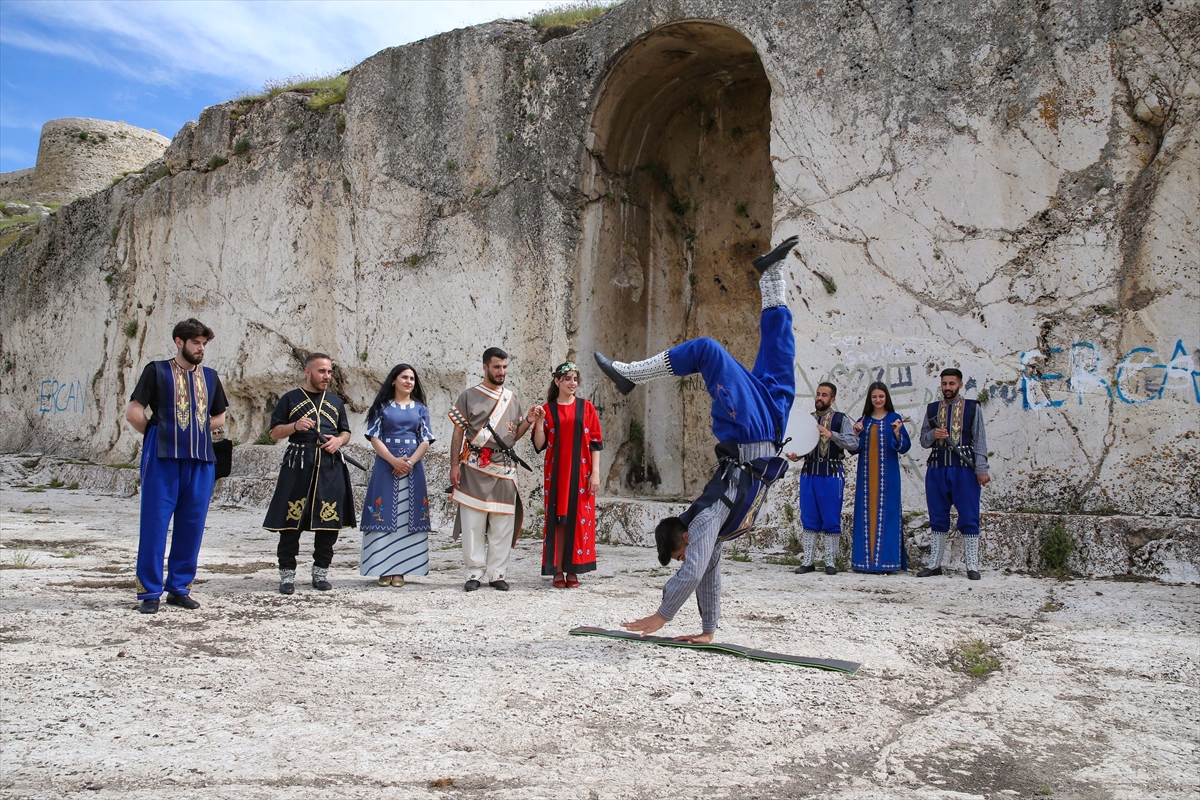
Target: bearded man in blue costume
point(187, 403)
point(956, 473)
point(749, 412)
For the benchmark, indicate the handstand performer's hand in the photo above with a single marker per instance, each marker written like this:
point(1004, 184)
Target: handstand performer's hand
point(645, 625)
point(697, 638)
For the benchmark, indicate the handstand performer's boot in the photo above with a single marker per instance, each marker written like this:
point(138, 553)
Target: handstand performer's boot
point(810, 547)
point(937, 546)
point(767, 260)
point(629, 376)
point(971, 556)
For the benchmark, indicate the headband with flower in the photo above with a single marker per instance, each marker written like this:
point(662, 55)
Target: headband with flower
point(563, 368)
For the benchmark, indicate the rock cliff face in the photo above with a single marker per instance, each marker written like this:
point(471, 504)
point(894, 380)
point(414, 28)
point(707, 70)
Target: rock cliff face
point(1011, 189)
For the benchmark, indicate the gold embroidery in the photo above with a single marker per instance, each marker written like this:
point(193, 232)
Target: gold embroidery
point(956, 421)
point(328, 511)
point(296, 509)
point(200, 389)
point(823, 443)
point(140, 588)
point(183, 397)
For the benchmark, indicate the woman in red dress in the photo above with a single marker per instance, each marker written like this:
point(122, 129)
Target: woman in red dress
point(570, 435)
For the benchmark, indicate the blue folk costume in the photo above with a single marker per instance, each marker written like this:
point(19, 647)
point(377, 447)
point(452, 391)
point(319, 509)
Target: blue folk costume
point(749, 411)
point(823, 488)
point(878, 529)
point(178, 470)
point(950, 476)
point(313, 492)
point(395, 516)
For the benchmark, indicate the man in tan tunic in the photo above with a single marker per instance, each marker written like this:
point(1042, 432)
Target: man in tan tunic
point(484, 476)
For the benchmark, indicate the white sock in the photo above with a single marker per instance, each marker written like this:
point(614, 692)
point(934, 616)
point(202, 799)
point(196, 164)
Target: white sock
point(971, 548)
point(810, 546)
point(833, 544)
point(773, 287)
point(639, 372)
point(937, 548)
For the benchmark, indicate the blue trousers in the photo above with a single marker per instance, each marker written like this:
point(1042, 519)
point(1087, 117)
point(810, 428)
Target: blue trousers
point(952, 486)
point(749, 405)
point(178, 488)
point(821, 502)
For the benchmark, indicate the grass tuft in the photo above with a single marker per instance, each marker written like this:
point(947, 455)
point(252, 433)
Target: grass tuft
point(324, 90)
point(974, 658)
point(573, 14)
point(21, 559)
point(1056, 547)
point(264, 438)
point(131, 328)
point(217, 161)
point(241, 146)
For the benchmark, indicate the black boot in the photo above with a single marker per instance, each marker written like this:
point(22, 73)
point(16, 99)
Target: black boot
point(623, 384)
point(926, 573)
point(763, 262)
point(804, 569)
point(148, 606)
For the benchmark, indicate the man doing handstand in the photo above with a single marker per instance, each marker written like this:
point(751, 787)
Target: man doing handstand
point(749, 412)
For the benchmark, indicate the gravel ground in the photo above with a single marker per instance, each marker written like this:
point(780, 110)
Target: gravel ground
point(424, 691)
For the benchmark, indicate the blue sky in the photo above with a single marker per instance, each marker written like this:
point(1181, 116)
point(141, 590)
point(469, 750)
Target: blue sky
point(157, 64)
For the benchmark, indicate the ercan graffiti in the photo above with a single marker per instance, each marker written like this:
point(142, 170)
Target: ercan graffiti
point(57, 397)
point(1140, 377)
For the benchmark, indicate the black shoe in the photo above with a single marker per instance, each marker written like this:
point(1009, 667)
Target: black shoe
point(287, 588)
point(763, 262)
point(928, 573)
point(972, 575)
point(183, 601)
point(148, 606)
point(624, 385)
point(322, 586)
point(499, 586)
point(804, 569)
point(471, 585)
point(830, 570)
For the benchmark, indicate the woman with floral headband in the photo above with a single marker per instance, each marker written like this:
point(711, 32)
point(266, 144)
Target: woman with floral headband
point(570, 434)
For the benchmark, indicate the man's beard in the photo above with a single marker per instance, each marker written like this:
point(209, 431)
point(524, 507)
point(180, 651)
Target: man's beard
point(496, 381)
point(949, 395)
point(821, 407)
point(192, 358)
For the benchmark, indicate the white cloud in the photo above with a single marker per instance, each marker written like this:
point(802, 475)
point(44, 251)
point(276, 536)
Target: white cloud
point(173, 43)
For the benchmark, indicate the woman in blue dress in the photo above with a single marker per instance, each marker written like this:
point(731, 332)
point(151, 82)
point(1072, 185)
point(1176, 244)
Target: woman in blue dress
point(395, 517)
point(882, 439)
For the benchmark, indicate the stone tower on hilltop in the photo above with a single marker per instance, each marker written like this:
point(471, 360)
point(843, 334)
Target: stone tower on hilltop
point(77, 157)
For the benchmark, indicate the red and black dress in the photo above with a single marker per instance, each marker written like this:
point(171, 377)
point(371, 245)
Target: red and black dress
point(572, 440)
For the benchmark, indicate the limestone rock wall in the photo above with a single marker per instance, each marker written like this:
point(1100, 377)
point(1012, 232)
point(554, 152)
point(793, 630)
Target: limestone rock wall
point(1007, 188)
point(77, 157)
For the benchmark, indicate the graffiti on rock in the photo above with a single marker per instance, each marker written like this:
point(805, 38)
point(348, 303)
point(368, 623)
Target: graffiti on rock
point(56, 397)
point(1140, 377)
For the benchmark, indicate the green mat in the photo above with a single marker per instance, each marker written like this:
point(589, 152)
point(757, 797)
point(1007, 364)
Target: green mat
point(849, 667)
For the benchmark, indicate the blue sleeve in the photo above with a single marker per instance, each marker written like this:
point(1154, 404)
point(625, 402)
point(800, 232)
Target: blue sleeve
point(375, 426)
point(426, 433)
point(905, 442)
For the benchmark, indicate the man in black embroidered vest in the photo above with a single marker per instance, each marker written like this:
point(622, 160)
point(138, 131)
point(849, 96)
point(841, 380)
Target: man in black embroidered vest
point(823, 482)
point(956, 472)
point(187, 403)
point(313, 493)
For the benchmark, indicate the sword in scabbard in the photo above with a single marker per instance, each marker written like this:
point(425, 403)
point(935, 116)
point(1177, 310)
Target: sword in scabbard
point(322, 438)
point(504, 448)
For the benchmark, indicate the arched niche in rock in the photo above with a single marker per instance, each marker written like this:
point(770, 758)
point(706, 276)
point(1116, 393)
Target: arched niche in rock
point(678, 169)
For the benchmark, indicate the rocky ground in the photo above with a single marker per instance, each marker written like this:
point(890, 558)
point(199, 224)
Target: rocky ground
point(425, 691)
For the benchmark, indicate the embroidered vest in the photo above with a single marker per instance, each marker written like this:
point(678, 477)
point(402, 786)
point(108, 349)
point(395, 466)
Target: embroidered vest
point(182, 411)
point(958, 418)
point(826, 458)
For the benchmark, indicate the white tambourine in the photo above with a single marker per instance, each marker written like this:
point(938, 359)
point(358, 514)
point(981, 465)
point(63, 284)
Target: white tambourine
point(802, 429)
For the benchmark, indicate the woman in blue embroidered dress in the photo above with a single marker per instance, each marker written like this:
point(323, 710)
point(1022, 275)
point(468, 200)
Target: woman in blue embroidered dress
point(882, 439)
point(395, 517)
